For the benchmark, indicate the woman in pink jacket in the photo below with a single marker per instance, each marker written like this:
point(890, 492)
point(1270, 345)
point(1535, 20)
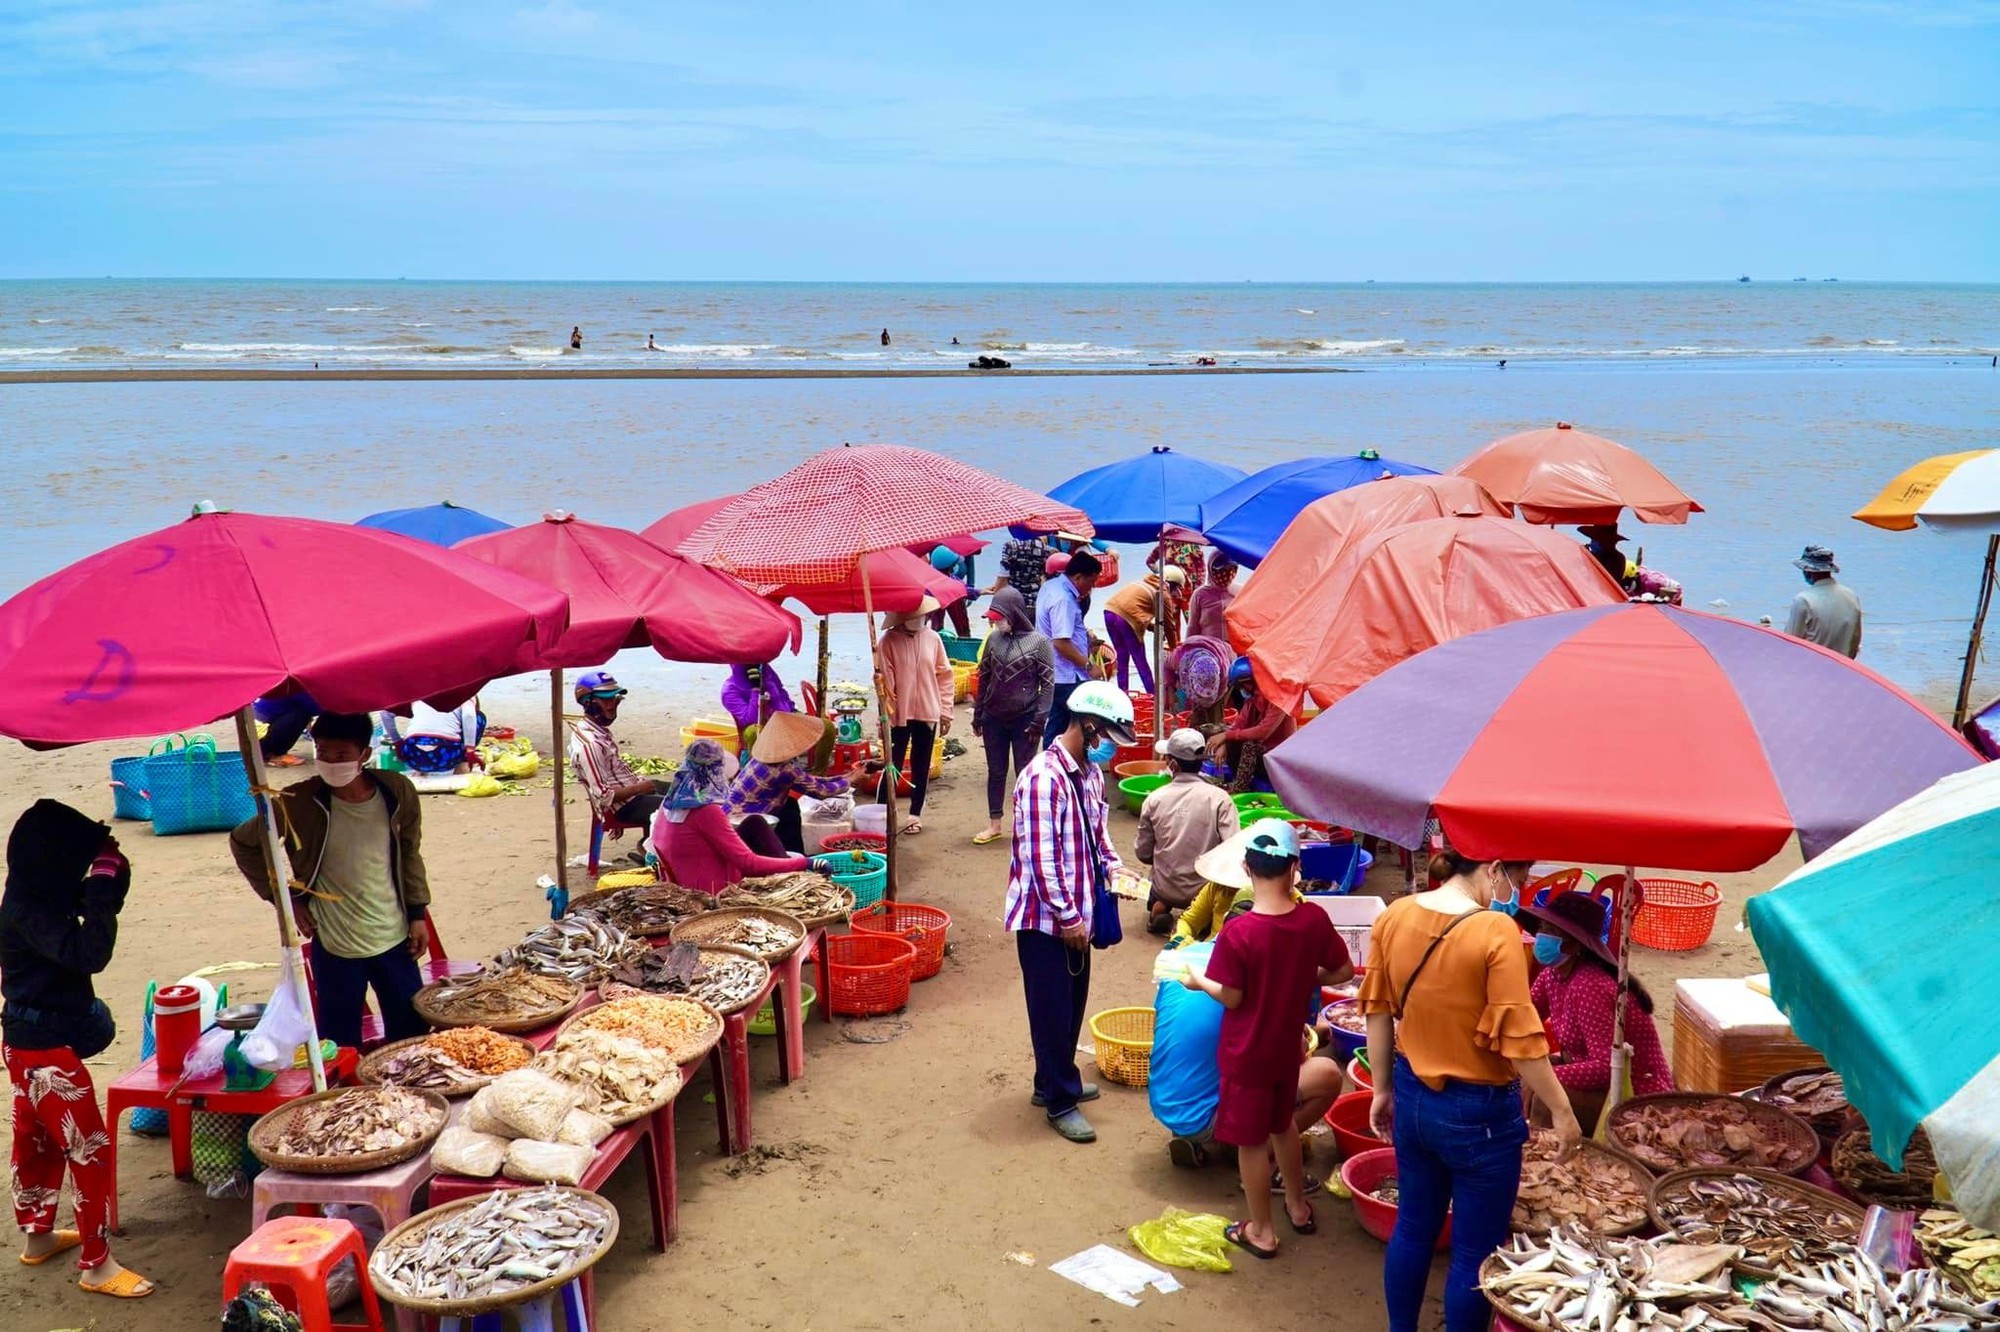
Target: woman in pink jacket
point(692, 835)
point(920, 687)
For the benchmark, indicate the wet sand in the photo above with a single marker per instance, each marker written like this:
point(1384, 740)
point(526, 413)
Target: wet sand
point(887, 1189)
point(552, 372)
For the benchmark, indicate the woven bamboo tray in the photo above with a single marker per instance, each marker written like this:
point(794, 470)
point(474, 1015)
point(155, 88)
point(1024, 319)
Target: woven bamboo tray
point(1791, 1132)
point(413, 1231)
point(618, 990)
point(370, 1069)
point(1868, 1177)
point(525, 1021)
point(821, 922)
point(703, 929)
point(1643, 1177)
point(678, 896)
point(684, 1057)
point(264, 1135)
point(1770, 1181)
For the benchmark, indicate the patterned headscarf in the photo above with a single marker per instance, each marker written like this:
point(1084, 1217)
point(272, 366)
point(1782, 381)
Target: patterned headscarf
point(703, 779)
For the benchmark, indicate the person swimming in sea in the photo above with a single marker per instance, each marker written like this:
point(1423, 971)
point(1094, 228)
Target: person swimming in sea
point(649, 343)
point(885, 337)
point(576, 338)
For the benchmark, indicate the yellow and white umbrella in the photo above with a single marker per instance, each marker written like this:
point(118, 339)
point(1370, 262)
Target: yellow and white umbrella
point(1953, 492)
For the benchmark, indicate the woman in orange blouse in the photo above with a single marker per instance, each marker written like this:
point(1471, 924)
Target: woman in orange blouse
point(1449, 1011)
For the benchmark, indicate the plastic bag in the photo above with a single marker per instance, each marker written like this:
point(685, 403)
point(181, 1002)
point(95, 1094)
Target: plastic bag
point(480, 785)
point(531, 1103)
point(1184, 1239)
point(515, 765)
point(479, 1116)
point(205, 1060)
point(584, 1128)
point(534, 1162)
point(832, 809)
point(463, 1151)
point(274, 1043)
point(343, 1284)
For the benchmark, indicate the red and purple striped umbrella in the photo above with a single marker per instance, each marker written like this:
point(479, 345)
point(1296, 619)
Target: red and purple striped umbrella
point(1621, 735)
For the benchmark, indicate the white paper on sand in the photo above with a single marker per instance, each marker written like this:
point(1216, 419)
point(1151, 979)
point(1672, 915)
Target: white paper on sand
point(1114, 1275)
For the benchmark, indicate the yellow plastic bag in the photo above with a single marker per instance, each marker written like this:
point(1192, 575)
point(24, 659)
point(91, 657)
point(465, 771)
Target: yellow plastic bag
point(515, 761)
point(481, 784)
point(1184, 1239)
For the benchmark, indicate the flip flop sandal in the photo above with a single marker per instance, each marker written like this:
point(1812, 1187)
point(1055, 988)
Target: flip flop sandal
point(913, 827)
point(127, 1285)
point(1238, 1234)
point(982, 838)
point(65, 1241)
point(1311, 1227)
point(1313, 1184)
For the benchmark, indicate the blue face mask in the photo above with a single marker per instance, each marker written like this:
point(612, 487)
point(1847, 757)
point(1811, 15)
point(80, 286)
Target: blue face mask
point(1102, 750)
point(1512, 902)
point(1548, 949)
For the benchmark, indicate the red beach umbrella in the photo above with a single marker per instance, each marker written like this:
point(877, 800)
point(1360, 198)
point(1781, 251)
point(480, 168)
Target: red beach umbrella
point(1570, 476)
point(195, 622)
point(670, 531)
point(1412, 587)
point(1329, 528)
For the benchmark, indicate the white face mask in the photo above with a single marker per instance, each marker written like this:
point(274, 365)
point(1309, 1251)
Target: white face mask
point(336, 775)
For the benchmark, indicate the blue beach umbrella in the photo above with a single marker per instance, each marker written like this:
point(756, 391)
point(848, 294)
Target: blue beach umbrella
point(1246, 520)
point(1880, 953)
point(441, 524)
point(1132, 500)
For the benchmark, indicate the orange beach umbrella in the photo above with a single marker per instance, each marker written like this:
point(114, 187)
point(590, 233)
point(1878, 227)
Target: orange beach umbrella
point(1565, 475)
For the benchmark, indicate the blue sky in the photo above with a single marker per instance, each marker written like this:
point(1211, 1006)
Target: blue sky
point(1092, 141)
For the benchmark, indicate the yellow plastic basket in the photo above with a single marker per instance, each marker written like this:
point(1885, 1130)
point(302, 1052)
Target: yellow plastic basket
point(1124, 1039)
point(963, 673)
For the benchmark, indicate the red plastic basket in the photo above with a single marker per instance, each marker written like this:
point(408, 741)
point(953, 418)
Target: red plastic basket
point(1677, 914)
point(924, 927)
point(867, 974)
point(855, 841)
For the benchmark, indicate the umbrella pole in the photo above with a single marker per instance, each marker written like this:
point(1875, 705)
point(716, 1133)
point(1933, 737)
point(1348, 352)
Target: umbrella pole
point(822, 664)
point(1161, 704)
point(1621, 1053)
point(1974, 640)
point(278, 871)
point(556, 754)
point(882, 721)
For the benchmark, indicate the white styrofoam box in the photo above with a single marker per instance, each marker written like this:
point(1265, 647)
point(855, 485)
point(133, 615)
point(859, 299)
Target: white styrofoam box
point(1352, 918)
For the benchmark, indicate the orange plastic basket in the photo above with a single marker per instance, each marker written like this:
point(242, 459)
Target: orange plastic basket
point(923, 927)
point(1677, 914)
point(868, 974)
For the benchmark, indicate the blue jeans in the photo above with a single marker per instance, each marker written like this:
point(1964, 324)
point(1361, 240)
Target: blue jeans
point(1458, 1148)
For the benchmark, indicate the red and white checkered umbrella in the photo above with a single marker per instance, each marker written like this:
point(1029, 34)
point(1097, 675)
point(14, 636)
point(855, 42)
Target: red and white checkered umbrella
point(811, 525)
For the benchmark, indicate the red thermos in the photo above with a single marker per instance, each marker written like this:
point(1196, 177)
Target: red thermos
point(176, 1026)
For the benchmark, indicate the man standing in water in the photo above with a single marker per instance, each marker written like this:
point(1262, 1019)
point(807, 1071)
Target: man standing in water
point(1827, 612)
point(576, 337)
point(885, 337)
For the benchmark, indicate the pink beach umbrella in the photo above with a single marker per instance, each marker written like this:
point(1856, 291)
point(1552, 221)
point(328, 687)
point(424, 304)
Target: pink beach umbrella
point(195, 622)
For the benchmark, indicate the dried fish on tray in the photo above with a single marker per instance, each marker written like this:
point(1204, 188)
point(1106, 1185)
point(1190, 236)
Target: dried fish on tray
point(725, 978)
point(454, 1062)
point(1599, 1188)
point(685, 1029)
point(813, 898)
point(348, 1130)
point(1852, 1293)
point(648, 909)
point(499, 1248)
point(504, 999)
point(771, 935)
point(1686, 1130)
point(1571, 1279)
point(622, 1079)
point(1783, 1225)
point(1962, 1251)
point(581, 948)
point(1869, 1178)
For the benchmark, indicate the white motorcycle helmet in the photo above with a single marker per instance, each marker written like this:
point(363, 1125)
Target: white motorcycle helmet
point(1103, 703)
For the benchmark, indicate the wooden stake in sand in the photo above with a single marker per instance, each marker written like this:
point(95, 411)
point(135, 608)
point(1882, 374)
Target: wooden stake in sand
point(278, 870)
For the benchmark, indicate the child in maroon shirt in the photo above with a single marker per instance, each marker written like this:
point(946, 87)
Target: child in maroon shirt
point(1266, 970)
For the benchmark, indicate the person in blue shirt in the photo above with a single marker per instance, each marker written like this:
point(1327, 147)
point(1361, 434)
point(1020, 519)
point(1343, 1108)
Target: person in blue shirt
point(1059, 611)
point(1184, 1083)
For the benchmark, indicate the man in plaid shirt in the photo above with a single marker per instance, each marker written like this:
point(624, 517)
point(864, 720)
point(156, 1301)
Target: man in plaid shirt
point(1062, 851)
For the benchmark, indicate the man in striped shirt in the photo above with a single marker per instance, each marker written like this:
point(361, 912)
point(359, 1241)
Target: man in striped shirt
point(617, 794)
point(1062, 851)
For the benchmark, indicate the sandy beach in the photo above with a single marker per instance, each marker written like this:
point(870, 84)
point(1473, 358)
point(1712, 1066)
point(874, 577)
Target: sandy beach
point(557, 374)
point(887, 1189)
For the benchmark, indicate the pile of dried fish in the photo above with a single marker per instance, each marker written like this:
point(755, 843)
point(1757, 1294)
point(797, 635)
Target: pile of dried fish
point(483, 1051)
point(422, 1067)
point(1868, 1177)
point(359, 1121)
point(1852, 1294)
point(803, 894)
point(1601, 1192)
point(580, 947)
point(646, 910)
point(1387, 1191)
point(620, 1077)
point(502, 995)
point(1676, 1134)
point(680, 1027)
point(1961, 1251)
point(507, 1240)
point(1808, 1093)
point(1346, 1015)
point(719, 977)
point(1780, 1228)
point(762, 935)
point(1573, 1279)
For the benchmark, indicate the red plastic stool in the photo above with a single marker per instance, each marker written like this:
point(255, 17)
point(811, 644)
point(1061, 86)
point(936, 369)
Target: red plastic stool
point(294, 1256)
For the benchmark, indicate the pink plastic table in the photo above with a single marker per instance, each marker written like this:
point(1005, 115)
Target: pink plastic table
point(390, 1193)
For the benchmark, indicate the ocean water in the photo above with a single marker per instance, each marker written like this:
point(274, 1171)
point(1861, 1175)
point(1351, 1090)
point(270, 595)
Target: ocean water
point(250, 324)
point(1780, 449)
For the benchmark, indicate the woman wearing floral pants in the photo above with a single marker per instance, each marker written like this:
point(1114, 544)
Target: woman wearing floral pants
point(66, 882)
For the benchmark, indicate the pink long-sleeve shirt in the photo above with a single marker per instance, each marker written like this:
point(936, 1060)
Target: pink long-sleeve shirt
point(704, 853)
point(919, 676)
point(1577, 1011)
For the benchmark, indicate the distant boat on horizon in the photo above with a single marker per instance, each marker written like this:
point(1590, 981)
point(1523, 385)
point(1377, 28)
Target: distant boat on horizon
point(1744, 278)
